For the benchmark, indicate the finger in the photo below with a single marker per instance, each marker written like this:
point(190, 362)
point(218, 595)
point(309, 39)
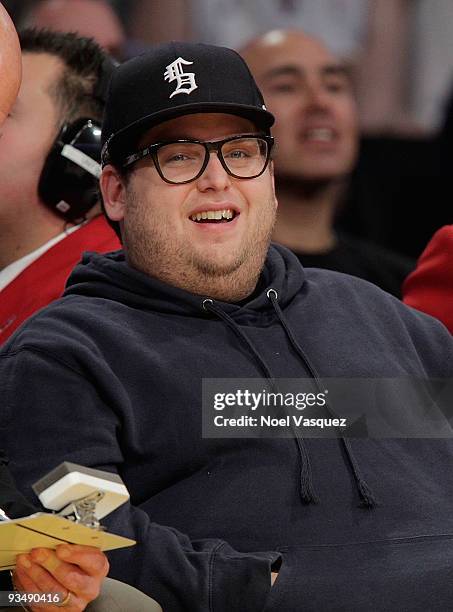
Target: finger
point(24, 584)
point(60, 573)
point(32, 574)
point(21, 579)
point(75, 604)
point(90, 559)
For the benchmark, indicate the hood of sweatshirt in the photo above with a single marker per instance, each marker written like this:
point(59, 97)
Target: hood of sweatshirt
point(111, 277)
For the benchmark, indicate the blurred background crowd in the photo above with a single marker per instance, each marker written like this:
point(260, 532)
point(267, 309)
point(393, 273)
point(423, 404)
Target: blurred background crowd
point(401, 60)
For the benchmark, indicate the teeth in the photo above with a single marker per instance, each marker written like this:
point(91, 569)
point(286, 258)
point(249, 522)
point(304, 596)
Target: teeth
point(216, 215)
point(324, 134)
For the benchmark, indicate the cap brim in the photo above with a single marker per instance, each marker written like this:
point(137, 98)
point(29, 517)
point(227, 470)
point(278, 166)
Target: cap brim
point(125, 140)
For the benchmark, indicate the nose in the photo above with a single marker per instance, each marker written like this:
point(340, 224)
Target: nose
point(214, 176)
point(316, 97)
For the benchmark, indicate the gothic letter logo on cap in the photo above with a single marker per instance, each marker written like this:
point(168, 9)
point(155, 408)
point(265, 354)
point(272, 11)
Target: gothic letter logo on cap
point(175, 72)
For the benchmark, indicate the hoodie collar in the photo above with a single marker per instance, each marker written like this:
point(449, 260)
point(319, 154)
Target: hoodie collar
point(110, 277)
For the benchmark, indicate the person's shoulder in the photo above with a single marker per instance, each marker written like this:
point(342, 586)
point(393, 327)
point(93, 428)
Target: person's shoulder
point(333, 281)
point(338, 294)
point(359, 296)
point(348, 301)
point(65, 322)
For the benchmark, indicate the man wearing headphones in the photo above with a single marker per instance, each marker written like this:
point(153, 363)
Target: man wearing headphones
point(80, 574)
point(49, 172)
point(10, 72)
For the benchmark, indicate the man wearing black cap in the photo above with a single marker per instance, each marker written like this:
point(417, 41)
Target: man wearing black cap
point(198, 294)
point(215, 237)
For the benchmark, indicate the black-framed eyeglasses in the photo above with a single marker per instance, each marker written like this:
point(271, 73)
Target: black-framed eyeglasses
point(181, 161)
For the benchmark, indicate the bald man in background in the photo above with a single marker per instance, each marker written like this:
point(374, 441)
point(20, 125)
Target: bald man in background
point(309, 91)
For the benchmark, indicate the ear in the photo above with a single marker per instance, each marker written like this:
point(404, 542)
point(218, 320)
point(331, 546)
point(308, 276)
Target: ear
point(113, 191)
point(272, 175)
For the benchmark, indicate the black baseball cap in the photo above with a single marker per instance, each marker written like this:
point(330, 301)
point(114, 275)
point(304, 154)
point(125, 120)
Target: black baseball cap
point(174, 79)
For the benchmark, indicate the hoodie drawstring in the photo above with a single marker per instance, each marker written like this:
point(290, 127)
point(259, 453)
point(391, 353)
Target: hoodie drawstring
point(367, 498)
point(209, 306)
point(307, 492)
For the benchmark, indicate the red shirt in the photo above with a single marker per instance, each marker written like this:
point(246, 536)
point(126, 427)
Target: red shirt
point(430, 287)
point(44, 280)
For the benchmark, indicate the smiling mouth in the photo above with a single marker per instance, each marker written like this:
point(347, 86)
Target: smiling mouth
point(214, 216)
point(319, 135)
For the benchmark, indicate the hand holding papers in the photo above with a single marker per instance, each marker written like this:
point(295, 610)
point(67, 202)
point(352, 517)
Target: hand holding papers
point(85, 495)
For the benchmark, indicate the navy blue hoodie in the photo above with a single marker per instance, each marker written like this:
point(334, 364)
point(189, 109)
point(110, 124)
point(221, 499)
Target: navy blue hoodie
point(110, 377)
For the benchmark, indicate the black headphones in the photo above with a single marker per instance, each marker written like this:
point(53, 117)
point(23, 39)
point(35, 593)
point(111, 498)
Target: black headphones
point(69, 181)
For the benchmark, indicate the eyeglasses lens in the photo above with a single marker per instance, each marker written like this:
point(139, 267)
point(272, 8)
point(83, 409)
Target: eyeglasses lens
point(244, 158)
